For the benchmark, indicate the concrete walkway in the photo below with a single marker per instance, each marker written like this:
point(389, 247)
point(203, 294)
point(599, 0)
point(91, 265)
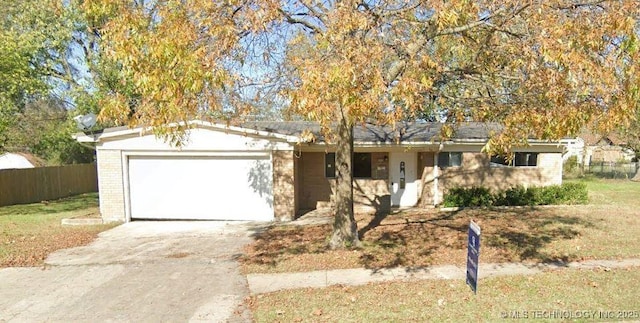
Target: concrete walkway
point(265, 283)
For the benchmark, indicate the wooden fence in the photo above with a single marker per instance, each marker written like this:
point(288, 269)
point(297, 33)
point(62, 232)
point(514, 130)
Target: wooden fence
point(20, 186)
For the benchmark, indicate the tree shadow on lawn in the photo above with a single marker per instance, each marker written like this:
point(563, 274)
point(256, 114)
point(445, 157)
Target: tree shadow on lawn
point(422, 238)
point(376, 221)
point(526, 238)
point(277, 242)
point(413, 239)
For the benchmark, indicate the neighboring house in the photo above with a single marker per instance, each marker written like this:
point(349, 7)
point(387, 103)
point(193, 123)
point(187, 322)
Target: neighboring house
point(574, 147)
point(608, 148)
point(18, 160)
point(265, 171)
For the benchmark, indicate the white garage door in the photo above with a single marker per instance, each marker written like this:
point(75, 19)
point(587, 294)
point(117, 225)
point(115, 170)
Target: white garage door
point(201, 188)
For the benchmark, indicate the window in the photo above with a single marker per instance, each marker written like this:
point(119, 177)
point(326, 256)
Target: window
point(449, 159)
point(361, 165)
point(526, 159)
point(520, 159)
point(330, 165)
point(499, 161)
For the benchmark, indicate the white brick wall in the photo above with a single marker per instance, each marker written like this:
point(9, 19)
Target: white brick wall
point(551, 167)
point(110, 185)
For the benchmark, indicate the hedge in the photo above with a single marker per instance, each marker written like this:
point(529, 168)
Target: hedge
point(567, 193)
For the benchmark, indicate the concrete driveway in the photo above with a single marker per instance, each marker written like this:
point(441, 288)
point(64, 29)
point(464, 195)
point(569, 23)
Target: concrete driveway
point(138, 272)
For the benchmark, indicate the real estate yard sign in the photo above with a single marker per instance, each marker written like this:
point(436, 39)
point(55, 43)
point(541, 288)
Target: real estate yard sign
point(473, 253)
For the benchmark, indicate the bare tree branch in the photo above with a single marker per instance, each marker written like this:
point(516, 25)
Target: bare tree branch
point(412, 49)
point(459, 29)
point(293, 20)
point(573, 6)
point(317, 13)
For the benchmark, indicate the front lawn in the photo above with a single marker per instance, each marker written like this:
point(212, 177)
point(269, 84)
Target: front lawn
point(28, 233)
point(605, 229)
point(580, 295)
point(619, 193)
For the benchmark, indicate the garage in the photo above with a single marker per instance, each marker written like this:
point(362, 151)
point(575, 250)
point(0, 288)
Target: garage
point(216, 172)
point(188, 187)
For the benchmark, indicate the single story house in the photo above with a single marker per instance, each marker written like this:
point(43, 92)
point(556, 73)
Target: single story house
point(609, 148)
point(573, 147)
point(265, 171)
point(19, 160)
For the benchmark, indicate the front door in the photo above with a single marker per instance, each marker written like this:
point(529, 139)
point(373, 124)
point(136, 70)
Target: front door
point(403, 178)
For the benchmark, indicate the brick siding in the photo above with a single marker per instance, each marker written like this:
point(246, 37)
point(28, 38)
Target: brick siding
point(476, 171)
point(110, 185)
point(284, 201)
point(316, 189)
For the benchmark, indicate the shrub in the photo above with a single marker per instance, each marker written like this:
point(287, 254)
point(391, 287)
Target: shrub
point(572, 193)
point(518, 196)
point(567, 193)
point(547, 195)
point(474, 196)
point(570, 165)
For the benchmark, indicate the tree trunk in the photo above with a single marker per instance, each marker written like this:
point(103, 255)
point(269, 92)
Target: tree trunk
point(345, 229)
point(636, 178)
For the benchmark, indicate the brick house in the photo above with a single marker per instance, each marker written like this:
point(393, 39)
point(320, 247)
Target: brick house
point(266, 171)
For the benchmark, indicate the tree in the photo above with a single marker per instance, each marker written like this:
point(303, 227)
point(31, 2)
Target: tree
point(542, 69)
point(171, 60)
point(43, 74)
point(45, 129)
point(631, 135)
point(18, 81)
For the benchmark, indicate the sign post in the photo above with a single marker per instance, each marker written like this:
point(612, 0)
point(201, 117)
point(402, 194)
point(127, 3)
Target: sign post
point(473, 253)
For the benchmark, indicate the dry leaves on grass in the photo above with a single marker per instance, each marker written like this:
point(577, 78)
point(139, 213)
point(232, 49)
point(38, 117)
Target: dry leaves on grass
point(32, 250)
point(418, 238)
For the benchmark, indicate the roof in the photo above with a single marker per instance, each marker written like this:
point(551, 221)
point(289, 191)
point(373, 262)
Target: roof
point(297, 131)
point(594, 139)
point(19, 160)
point(123, 131)
point(410, 132)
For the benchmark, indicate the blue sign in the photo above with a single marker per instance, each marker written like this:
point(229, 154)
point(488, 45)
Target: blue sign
point(473, 253)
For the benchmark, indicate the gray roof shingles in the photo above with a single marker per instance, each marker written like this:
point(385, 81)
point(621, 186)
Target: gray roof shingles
point(407, 132)
point(363, 133)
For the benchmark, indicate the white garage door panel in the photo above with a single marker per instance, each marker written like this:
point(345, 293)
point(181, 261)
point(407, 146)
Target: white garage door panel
point(201, 188)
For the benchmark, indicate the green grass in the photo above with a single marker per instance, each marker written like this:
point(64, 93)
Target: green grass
point(618, 192)
point(78, 203)
point(29, 232)
point(596, 293)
